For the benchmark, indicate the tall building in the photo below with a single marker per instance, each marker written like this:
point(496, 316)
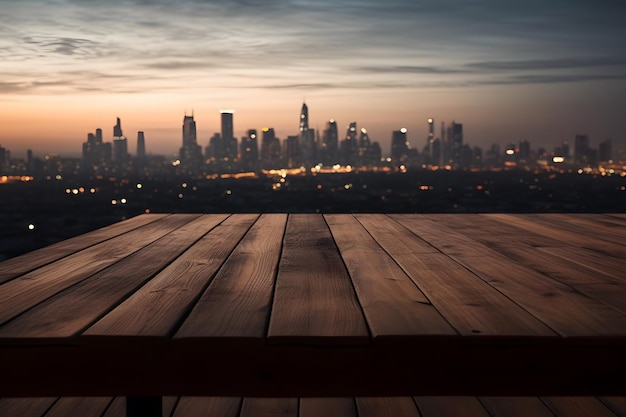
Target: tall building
point(228, 137)
point(306, 138)
point(329, 146)
point(430, 141)
point(605, 151)
point(3, 159)
point(120, 146)
point(270, 148)
point(581, 148)
point(190, 153)
point(141, 146)
point(455, 142)
point(349, 146)
point(399, 145)
point(250, 151)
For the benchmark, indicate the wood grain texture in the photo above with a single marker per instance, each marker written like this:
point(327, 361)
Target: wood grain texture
point(314, 299)
point(559, 306)
point(70, 311)
point(237, 302)
point(269, 407)
point(391, 302)
point(208, 407)
point(577, 407)
point(516, 407)
point(19, 265)
point(157, 308)
point(79, 407)
point(615, 404)
point(450, 407)
point(547, 225)
point(386, 407)
point(327, 407)
point(25, 407)
point(470, 305)
point(22, 293)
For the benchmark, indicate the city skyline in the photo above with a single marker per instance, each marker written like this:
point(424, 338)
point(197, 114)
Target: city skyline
point(536, 71)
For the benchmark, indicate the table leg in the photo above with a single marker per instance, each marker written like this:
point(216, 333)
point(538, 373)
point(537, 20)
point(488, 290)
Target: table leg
point(144, 407)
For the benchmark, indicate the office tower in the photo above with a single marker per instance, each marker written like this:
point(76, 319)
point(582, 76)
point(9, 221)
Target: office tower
point(306, 139)
point(291, 151)
point(399, 145)
point(581, 148)
point(141, 145)
point(3, 159)
point(250, 151)
point(190, 153)
point(117, 129)
point(215, 150)
point(605, 151)
point(228, 138)
point(431, 139)
point(455, 142)
point(329, 146)
point(270, 148)
point(120, 146)
point(98, 137)
point(524, 150)
point(349, 146)
point(364, 149)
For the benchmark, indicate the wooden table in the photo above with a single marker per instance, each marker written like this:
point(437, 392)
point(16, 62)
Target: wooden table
point(307, 305)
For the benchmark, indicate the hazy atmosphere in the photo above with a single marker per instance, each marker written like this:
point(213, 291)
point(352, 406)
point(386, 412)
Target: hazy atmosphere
point(539, 71)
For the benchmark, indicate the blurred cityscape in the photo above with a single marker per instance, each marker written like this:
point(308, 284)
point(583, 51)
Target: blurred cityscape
point(48, 199)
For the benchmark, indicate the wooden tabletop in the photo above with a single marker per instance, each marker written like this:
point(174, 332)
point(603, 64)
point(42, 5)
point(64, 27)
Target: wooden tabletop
point(305, 305)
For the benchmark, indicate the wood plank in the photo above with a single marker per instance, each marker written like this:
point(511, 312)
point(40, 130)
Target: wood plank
point(237, 302)
point(516, 407)
point(269, 407)
point(158, 307)
point(327, 407)
point(468, 303)
point(25, 407)
point(392, 304)
point(592, 228)
point(208, 407)
point(20, 265)
point(492, 234)
point(22, 293)
point(450, 407)
point(79, 407)
point(70, 311)
point(542, 224)
point(577, 407)
point(314, 299)
point(386, 407)
point(431, 228)
point(559, 306)
point(593, 260)
point(615, 404)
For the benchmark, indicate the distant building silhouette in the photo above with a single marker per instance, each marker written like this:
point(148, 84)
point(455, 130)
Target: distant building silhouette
point(190, 153)
point(141, 146)
point(250, 151)
point(270, 149)
point(228, 138)
point(328, 153)
point(349, 146)
point(306, 138)
point(605, 151)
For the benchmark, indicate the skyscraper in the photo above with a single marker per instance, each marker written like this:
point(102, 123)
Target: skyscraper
point(349, 146)
point(120, 146)
point(399, 145)
point(141, 146)
point(431, 139)
point(306, 146)
point(228, 137)
point(250, 151)
point(190, 153)
point(329, 145)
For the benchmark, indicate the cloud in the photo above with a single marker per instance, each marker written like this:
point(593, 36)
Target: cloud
point(407, 69)
point(63, 45)
point(541, 64)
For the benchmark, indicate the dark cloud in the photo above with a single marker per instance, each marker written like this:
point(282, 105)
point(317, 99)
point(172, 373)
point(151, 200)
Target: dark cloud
point(541, 64)
point(407, 69)
point(63, 45)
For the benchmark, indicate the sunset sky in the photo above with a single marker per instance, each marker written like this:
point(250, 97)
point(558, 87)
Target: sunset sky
point(508, 70)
